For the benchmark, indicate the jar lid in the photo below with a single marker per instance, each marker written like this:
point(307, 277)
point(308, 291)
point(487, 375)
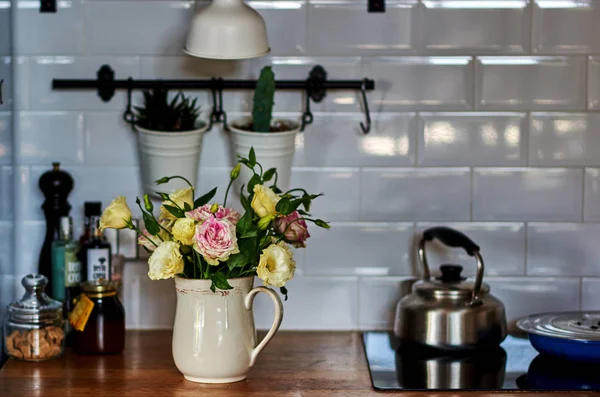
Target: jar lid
point(449, 284)
point(99, 286)
point(35, 307)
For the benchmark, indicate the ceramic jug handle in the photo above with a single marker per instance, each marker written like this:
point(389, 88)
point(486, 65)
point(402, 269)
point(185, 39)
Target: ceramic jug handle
point(276, 322)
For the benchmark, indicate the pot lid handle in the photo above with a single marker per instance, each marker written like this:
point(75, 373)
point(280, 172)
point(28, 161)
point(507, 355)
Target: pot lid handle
point(453, 238)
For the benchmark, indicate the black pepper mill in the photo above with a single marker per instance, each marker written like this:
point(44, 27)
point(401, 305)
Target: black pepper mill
point(56, 186)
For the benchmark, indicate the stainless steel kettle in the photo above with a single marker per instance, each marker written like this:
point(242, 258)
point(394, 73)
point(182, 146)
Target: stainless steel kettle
point(450, 312)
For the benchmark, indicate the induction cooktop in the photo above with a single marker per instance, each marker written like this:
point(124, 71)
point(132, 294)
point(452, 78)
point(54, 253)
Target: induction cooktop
point(515, 365)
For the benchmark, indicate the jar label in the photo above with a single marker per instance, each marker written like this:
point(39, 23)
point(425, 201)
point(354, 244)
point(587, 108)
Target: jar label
point(72, 269)
point(81, 313)
point(98, 261)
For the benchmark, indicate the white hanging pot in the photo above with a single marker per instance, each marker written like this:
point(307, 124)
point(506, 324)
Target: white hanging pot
point(168, 154)
point(273, 150)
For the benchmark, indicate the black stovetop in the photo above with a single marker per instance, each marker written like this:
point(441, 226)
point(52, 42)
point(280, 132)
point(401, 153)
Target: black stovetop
point(515, 365)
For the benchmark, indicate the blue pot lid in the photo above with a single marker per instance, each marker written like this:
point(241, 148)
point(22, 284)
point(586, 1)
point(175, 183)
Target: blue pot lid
point(576, 326)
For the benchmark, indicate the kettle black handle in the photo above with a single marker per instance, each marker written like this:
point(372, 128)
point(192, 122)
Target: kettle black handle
point(453, 238)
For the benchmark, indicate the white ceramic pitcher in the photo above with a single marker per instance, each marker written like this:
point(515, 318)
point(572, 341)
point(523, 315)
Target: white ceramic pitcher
point(214, 339)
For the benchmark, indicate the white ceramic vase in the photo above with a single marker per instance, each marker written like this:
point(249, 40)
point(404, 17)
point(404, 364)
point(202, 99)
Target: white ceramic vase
point(214, 339)
point(273, 150)
point(167, 154)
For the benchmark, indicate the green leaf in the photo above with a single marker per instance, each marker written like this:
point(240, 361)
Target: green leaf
point(151, 224)
point(268, 175)
point(244, 223)
point(176, 212)
point(252, 157)
point(276, 189)
point(187, 207)
point(322, 223)
point(200, 201)
point(253, 181)
point(284, 292)
point(251, 233)
point(303, 213)
point(212, 287)
point(237, 260)
point(163, 196)
point(265, 241)
point(249, 247)
point(245, 202)
point(306, 202)
point(219, 279)
point(294, 205)
point(283, 206)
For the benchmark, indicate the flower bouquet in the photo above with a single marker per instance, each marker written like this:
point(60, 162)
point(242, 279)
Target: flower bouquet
point(213, 252)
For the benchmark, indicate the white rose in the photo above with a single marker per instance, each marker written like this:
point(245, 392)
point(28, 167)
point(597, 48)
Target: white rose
point(276, 265)
point(166, 261)
point(264, 201)
point(117, 215)
point(177, 199)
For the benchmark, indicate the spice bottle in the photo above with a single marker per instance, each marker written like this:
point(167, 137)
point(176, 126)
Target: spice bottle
point(98, 319)
point(96, 255)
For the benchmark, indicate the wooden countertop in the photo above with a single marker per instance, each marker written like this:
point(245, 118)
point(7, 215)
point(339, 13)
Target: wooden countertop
point(294, 364)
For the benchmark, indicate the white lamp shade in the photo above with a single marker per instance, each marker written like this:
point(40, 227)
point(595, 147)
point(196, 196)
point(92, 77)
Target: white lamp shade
point(227, 29)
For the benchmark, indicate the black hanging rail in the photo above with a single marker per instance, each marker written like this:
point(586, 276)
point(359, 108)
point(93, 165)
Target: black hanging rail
point(315, 86)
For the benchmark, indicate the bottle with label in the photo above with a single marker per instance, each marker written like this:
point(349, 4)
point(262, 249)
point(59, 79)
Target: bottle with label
point(66, 267)
point(90, 209)
point(96, 255)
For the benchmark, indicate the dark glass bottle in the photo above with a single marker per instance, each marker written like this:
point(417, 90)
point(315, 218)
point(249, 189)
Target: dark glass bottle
point(90, 209)
point(104, 331)
point(96, 255)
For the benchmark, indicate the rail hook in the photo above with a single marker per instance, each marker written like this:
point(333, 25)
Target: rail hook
point(307, 116)
point(363, 90)
point(128, 116)
point(218, 114)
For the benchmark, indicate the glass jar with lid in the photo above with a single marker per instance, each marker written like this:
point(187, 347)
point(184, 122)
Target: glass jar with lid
point(104, 330)
point(34, 328)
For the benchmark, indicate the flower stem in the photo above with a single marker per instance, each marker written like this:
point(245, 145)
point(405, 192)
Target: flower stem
point(131, 226)
point(227, 192)
point(180, 177)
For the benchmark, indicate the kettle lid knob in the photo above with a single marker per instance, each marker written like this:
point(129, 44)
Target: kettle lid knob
point(451, 273)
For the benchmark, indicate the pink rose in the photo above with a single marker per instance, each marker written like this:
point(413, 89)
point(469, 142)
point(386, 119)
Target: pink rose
point(215, 240)
point(297, 233)
point(201, 214)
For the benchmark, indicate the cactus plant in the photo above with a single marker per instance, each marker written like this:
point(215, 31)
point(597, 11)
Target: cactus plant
point(262, 111)
point(158, 114)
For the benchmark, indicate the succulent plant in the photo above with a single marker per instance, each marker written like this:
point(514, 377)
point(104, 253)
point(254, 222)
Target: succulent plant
point(158, 114)
point(262, 111)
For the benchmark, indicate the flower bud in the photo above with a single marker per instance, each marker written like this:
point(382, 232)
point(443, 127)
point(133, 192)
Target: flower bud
point(148, 203)
point(235, 172)
point(214, 208)
point(162, 180)
point(322, 223)
point(264, 222)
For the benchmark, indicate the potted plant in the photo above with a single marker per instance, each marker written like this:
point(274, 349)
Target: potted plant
point(169, 138)
point(273, 140)
point(214, 253)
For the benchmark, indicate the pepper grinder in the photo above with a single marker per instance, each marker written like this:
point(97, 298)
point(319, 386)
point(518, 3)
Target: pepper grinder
point(56, 186)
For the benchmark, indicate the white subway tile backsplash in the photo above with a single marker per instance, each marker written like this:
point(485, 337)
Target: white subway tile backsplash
point(413, 194)
point(335, 139)
point(378, 298)
point(314, 303)
point(349, 249)
point(5, 31)
point(590, 294)
point(335, 28)
point(109, 140)
point(593, 84)
point(341, 188)
point(502, 247)
point(420, 82)
point(7, 290)
point(476, 26)
point(6, 193)
point(59, 33)
point(5, 138)
point(535, 83)
point(591, 198)
point(28, 244)
point(284, 16)
point(46, 68)
point(532, 194)
point(565, 26)
point(46, 137)
point(484, 139)
point(111, 28)
point(15, 90)
point(523, 296)
point(563, 249)
point(6, 249)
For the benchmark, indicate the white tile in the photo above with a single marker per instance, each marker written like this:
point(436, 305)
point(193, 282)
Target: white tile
point(591, 199)
point(593, 98)
point(134, 27)
point(298, 68)
point(420, 82)
point(314, 303)
point(335, 139)
point(58, 33)
point(337, 28)
point(523, 296)
point(565, 26)
point(6, 193)
point(6, 248)
point(532, 194)
point(378, 298)
point(340, 186)
point(46, 137)
point(5, 30)
point(109, 140)
point(286, 25)
point(502, 248)
point(8, 292)
point(216, 148)
point(477, 26)
point(6, 138)
point(487, 139)
point(46, 68)
point(15, 90)
point(349, 249)
point(28, 244)
point(564, 139)
point(410, 194)
point(590, 294)
point(563, 249)
point(523, 83)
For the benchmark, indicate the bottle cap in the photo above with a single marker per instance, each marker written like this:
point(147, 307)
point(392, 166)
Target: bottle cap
point(92, 208)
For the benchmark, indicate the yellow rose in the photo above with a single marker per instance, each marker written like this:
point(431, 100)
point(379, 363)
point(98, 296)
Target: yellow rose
point(117, 215)
point(166, 261)
point(183, 230)
point(264, 201)
point(179, 197)
point(276, 265)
